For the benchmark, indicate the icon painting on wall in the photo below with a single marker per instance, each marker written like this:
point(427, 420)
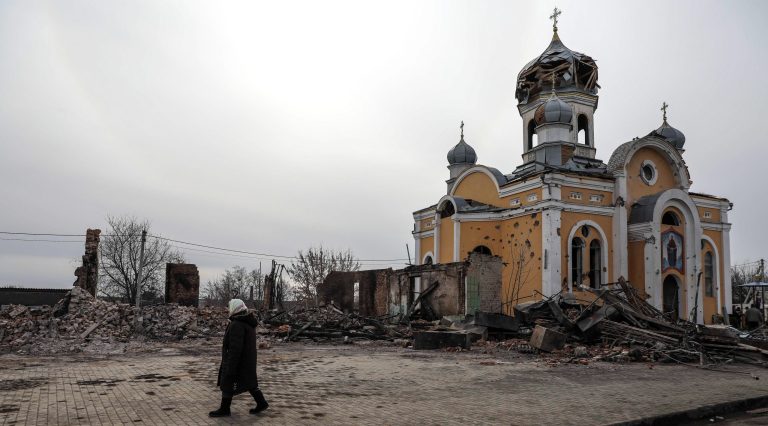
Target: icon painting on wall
point(672, 251)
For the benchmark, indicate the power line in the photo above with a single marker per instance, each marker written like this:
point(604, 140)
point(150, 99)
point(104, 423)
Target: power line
point(265, 256)
point(39, 240)
point(41, 234)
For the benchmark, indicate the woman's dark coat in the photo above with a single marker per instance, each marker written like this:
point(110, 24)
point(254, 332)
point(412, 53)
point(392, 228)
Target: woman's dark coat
point(237, 372)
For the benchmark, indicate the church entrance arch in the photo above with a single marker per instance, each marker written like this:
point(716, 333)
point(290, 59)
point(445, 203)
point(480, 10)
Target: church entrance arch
point(671, 296)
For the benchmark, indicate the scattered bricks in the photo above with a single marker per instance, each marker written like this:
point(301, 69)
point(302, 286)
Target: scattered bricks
point(182, 284)
point(546, 339)
point(440, 339)
point(17, 311)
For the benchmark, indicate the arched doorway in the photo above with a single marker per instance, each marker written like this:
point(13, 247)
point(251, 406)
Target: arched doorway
point(482, 250)
point(671, 297)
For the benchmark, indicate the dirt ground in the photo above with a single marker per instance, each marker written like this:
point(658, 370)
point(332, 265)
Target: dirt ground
point(363, 383)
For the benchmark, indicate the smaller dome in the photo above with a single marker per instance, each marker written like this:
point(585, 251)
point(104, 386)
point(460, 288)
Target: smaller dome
point(670, 134)
point(462, 153)
point(553, 111)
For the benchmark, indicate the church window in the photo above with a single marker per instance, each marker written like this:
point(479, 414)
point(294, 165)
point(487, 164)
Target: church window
point(583, 129)
point(595, 198)
point(532, 197)
point(709, 274)
point(576, 195)
point(515, 202)
point(585, 231)
point(533, 138)
point(577, 267)
point(648, 172)
point(595, 264)
point(428, 260)
point(707, 214)
point(482, 250)
point(447, 211)
point(670, 218)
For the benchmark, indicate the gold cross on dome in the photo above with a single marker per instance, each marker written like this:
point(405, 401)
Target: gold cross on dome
point(664, 107)
point(554, 16)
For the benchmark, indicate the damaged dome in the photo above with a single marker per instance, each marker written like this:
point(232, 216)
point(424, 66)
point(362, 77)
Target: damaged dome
point(572, 70)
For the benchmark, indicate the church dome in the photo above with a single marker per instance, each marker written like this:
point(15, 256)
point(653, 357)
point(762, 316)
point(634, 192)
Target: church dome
point(462, 153)
point(553, 110)
point(573, 70)
point(669, 133)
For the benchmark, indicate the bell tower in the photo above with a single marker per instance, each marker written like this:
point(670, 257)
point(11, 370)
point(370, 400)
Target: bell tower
point(572, 79)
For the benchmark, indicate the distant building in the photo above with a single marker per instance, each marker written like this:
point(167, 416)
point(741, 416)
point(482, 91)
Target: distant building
point(565, 218)
point(31, 296)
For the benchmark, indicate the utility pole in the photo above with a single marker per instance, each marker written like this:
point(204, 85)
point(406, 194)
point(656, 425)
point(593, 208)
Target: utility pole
point(136, 316)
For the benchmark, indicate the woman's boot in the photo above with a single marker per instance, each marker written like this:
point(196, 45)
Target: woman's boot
point(223, 411)
point(261, 402)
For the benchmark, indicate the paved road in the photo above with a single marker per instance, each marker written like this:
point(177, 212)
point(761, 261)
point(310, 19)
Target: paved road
point(352, 385)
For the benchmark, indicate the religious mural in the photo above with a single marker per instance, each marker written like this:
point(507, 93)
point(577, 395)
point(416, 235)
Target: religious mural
point(672, 251)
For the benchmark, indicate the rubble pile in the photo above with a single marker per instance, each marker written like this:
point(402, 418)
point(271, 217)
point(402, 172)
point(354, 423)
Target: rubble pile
point(629, 328)
point(616, 324)
point(79, 316)
point(328, 323)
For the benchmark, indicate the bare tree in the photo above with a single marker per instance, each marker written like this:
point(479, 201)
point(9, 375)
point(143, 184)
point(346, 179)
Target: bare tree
point(236, 282)
point(311, 267)
point(521, 255)
point(119, 260)
point(743, 274)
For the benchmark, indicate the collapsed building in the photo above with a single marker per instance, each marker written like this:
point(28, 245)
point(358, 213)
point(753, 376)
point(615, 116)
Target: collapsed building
point(448, 289)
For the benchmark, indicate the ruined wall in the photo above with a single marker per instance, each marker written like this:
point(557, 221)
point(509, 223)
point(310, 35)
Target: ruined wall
point(339, 288)
point(88, 274)
point(182, 284)
point(485, 272)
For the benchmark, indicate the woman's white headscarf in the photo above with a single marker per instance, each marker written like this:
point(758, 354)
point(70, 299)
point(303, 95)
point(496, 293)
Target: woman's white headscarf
point(236, 306)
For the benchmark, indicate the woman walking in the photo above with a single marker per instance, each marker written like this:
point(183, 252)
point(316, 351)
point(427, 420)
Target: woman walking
point(237, 372)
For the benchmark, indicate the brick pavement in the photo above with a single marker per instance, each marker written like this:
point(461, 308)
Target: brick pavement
point(350, 385)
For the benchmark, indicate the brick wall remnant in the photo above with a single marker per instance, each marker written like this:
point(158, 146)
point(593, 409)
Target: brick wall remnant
point(88, 274)
point(391, 292)
point(182, 284)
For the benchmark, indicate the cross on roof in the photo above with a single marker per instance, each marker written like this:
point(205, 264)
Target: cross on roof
point(462, 129)
point(664, 107)
point(554, 16)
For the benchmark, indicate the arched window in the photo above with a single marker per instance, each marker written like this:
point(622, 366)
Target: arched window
point(595, 264)
point(447, 211)
point(428, 260)
point(482, 250)
point(577, 266)
point(670, 218)
point(583, 129)
point(709, 274)
point(533, 138)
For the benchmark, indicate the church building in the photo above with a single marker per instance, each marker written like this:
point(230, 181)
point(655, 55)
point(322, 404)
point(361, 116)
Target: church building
point(564, 218)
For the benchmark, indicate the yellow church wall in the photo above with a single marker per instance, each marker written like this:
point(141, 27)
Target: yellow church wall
point(713, 213)
point(446, 240)
point(479, 187)
point(427, 245)
point(427, 224)
point(566, 192)
point(636, 187)
point(521, 236)
point(474, 234)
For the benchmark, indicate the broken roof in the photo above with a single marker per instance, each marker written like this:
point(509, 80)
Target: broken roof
point(570, 69)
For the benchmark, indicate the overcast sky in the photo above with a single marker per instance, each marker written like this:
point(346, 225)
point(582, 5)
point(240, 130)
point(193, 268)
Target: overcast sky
point(275, 126)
